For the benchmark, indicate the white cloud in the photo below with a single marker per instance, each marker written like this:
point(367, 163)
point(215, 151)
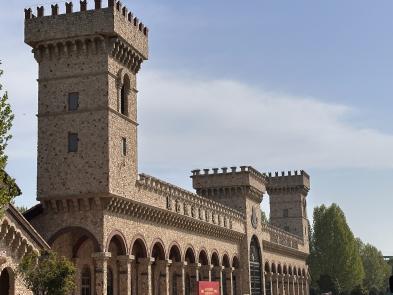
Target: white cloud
point(198, 123)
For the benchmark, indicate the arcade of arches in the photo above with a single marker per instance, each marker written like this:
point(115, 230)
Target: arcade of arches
point(160, 269)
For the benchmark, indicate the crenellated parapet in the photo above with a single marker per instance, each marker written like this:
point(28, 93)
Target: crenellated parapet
point(114, 23)
point(188, 204)
point(297, 181)
point(218, 183)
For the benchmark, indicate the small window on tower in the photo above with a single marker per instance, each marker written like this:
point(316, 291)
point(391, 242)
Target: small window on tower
point(123, 100)
point(73, 101)
point(124, 146)
point(73, 142)
point(285, 213)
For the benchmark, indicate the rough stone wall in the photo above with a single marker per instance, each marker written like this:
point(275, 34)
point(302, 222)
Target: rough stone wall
point(54, 220)
point(60, 172)
point(17, 287)
point(17, 238)
point(122, 169)
point(296, 222)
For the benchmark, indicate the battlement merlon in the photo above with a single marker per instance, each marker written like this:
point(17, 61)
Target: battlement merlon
point(233, 177)
point(297, 180)
point(112, 21)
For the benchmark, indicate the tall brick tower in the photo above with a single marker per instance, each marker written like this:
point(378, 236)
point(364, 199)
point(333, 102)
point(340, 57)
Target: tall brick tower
point(288, 194)
point(87, 98)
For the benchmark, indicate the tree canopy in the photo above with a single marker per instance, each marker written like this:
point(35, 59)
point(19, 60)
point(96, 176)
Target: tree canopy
point(264, 217)
point(377, 270)
point(48, 274)
point(334, 257)
point(8, 188)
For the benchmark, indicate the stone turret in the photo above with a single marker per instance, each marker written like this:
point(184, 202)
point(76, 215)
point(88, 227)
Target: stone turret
point(229, 186)
point(87, 101)
point(288, 206)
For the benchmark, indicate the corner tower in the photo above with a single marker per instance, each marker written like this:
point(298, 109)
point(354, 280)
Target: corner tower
point(288, 205)
point(87, 98)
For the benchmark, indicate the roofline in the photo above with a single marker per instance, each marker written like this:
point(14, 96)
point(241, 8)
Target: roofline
point(27, 227)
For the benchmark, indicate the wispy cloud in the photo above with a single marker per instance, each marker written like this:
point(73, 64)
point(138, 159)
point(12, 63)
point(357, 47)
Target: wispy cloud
point(203, 123)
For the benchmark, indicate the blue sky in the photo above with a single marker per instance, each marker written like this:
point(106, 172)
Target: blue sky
point(278, 85)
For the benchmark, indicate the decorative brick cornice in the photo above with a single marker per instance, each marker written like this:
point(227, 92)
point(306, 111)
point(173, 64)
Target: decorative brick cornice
point(90, 45)
point(164, 217)
point(126, 54)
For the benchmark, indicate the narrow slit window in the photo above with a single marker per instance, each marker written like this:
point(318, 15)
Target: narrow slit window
point(123, 100)
point(73, 101)
point(124, 146)
point(73, 142)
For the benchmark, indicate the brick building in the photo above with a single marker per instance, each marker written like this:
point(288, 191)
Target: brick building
point(128, 232)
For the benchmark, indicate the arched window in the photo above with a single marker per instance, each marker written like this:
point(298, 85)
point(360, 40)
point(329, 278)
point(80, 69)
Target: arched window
point(123, 100)
point(109, 282)
point(124, 91)
point(255, 267)
point(5, 284)
point(86, 281)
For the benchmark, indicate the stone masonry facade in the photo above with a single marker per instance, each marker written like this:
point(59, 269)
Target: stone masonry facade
point(128, 232)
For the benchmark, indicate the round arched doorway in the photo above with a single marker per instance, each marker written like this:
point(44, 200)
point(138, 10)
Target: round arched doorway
point(5, 282)
point(255, 267)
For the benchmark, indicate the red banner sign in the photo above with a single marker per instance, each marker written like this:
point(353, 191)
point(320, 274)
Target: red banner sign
point(208, 288)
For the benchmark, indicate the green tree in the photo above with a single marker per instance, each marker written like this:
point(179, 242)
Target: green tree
point(377, 270)
point(8, 188)
point(48, 274)
point(22, 209)
point(390, 262)
point(334, 251)
point(264, 217)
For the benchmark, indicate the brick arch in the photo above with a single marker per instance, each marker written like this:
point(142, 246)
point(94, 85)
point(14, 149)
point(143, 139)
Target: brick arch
point(158, 245)
point(235, 261)
point(204, 255)
point(285, 269)
point(173, 248)
point(121, 74)
point(7, 280)
point(279, 268)
point(290, 270)
point(82, 230)
point(274, 268)
point(190, 253)
point(267, 267)
point(119, 239)
point(139, 241)
point(299, 272)
point(215, 258)
point(225, 260)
